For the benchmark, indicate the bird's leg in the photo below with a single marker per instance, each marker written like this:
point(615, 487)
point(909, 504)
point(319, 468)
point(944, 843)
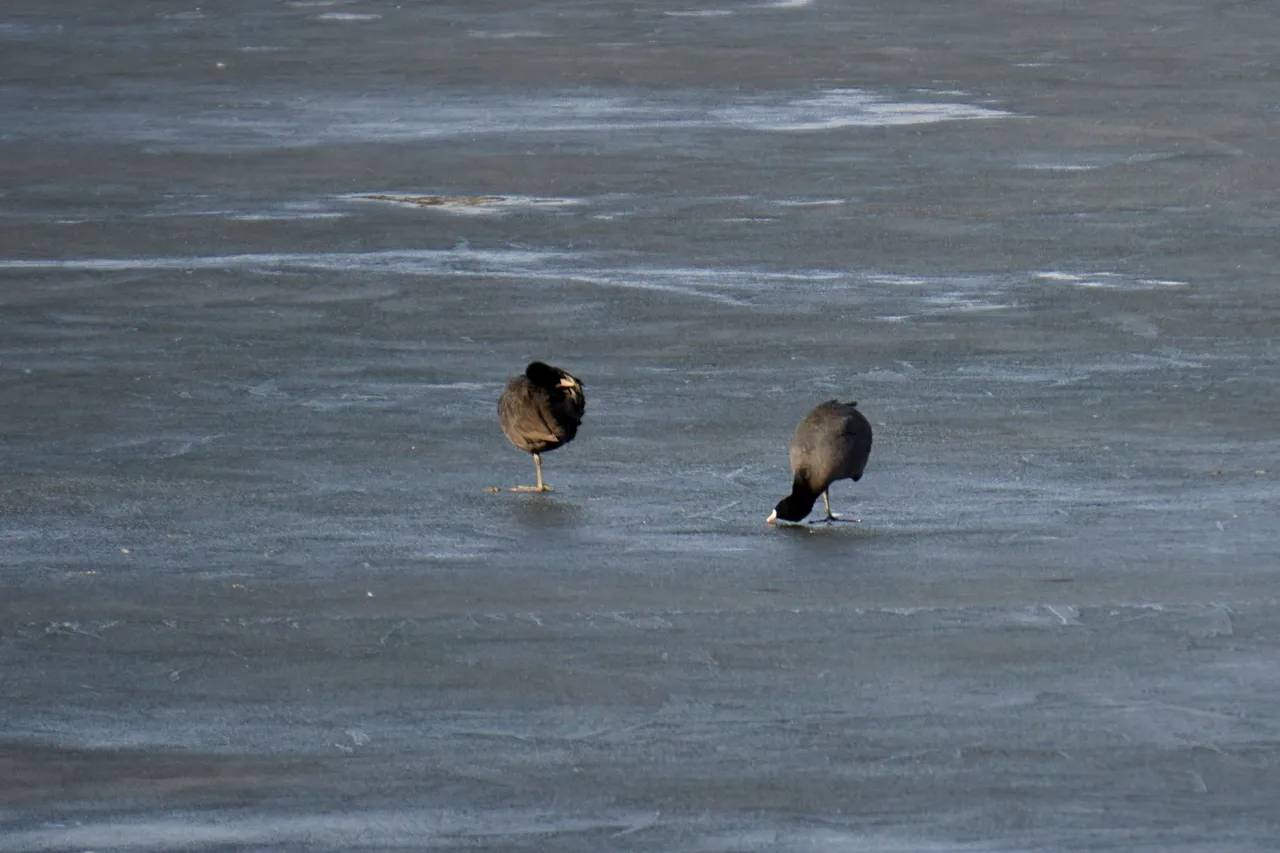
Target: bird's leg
point(537, 461)
point(541, 487)
point(831, 516)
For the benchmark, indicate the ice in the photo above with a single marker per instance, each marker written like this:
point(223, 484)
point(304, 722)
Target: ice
point(263, 275)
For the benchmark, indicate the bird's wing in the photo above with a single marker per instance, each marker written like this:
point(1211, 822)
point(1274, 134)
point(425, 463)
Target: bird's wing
point(524, 412)
point(537, 424)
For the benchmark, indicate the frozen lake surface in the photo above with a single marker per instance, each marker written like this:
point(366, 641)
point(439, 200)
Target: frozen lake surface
point(265, 268)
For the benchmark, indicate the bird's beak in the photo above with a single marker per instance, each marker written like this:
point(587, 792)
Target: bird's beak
point(568, 383)
point(773, 516)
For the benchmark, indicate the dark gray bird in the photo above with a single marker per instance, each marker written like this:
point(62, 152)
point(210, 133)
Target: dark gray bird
point(831, 443)
point(540, 411)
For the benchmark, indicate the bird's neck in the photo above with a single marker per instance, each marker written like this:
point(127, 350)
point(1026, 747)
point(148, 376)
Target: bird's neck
point(802, 494)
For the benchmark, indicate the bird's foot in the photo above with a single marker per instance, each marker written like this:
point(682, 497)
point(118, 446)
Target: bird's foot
point(530, 489)
point(831, 519)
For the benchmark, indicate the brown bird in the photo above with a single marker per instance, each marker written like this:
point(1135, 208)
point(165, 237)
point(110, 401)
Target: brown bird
point(540, 411)
point(831, 443)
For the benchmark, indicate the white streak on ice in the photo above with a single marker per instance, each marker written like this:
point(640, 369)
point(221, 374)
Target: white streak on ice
point(727, 286)
point(208, 119)
point(478, 205)
point(842, 108)
point(1066, 613)
point(1107, 280)
point(409, 261)
point(816, 202)
point(507, 34)
point(1060, 167)
point(416, 829)
point(347, 16)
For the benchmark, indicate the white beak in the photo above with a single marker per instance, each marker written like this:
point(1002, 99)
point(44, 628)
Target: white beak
point(773, 516)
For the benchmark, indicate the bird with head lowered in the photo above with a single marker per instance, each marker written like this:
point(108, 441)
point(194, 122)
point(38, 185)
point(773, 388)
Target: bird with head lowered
point(831, 443)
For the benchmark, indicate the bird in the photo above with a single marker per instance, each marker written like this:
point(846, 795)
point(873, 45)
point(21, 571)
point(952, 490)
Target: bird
point(831, 443)
point(539, 411)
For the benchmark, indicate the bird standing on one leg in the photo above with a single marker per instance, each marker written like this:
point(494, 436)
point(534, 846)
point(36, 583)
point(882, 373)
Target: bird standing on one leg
point(831, 443)
point(540, 411)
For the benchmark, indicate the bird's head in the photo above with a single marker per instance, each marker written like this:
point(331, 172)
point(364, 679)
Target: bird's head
point(545, 376)
point(791, 508)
